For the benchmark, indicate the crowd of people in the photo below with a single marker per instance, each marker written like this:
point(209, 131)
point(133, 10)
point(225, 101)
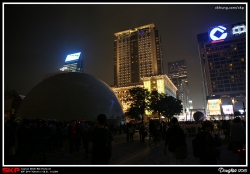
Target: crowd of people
point(208, 133)
point(28, 137)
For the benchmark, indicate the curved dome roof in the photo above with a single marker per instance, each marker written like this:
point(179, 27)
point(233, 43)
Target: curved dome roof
point(70, 96)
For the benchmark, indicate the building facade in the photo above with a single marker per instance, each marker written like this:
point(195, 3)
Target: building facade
point(137, 54)
point(161, 83)
point(222, 52)
point(138, 62)
point(177, 72)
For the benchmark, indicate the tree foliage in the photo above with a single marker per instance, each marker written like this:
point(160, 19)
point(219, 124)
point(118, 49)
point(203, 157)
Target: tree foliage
point(140, 100)
point(154, 106)
point(169, 106)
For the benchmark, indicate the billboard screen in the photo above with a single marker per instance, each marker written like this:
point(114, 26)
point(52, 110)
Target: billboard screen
point(227, 109)
point(214, 107)
point(71, 57)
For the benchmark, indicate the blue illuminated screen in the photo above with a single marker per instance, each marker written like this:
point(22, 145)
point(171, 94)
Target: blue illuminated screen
point(71, 57)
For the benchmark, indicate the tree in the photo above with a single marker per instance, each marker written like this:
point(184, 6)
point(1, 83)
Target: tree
point(155, 102)
point(169, 106)
point(140, 100)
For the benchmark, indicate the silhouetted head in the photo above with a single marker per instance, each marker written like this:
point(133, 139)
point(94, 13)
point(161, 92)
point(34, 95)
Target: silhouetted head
point(174, 120)
point(101, 119)
point(237, 120)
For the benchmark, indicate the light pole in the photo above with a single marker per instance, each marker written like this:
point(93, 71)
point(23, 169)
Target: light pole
point(244, 109)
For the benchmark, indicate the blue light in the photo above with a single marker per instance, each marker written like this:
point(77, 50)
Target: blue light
point(142, 32)
point(221, 34)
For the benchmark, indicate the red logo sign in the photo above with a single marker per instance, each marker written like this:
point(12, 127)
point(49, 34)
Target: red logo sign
point(10, 170)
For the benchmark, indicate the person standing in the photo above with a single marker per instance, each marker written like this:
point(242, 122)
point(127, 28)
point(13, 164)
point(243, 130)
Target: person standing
point(164, 130)
point(142, 130)
point(74, 137)
point(175, 137)
point(210, 153)
point(101, 142)
point(131, 132)
point(10, 128)
point(152, 132)
point(87, 131)
point(238, 137)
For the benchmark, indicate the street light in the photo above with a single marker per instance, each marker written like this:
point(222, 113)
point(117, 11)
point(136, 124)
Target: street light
point(244, 109)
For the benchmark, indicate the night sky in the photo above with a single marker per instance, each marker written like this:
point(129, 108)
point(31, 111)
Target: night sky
point(38, 37)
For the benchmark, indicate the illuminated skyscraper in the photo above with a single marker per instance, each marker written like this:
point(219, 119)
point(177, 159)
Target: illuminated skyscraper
point(177, 72)
point(73, 63)
point(222, 52)
point(137, 54)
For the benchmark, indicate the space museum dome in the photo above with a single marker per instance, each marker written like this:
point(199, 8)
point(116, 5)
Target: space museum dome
point(70, 96)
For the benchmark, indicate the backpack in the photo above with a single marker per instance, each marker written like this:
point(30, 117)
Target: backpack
point(102, 143)
point(198, 145)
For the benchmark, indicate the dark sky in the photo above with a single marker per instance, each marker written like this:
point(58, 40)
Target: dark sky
point(38, 37)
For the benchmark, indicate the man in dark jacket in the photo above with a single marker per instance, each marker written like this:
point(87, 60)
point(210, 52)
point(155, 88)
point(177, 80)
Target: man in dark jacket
point(175, 137)
point(101, 142)
point(210, 153)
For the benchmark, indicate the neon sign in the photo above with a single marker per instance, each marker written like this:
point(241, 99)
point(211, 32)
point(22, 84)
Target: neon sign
point(239, 29)
point(71, 57)
point(214, 33)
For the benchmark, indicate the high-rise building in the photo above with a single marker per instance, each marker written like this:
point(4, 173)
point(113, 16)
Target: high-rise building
point(222, 53)
point(177, 72)
point(138, 62)
point(137, 54)
point(73, 63)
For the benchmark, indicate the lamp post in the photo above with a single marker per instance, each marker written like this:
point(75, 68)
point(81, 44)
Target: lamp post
point(244, 108)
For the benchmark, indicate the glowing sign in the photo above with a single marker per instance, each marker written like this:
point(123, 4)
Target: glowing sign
point(214, 107)
point(239, 29)
point(71, 57)
point(227, 109)
point(63, 68)
point(219, 36)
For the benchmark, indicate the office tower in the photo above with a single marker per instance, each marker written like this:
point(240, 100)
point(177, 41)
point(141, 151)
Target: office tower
point(177, 72)
point(137, 54)
point(73, 63)
point(222, 52)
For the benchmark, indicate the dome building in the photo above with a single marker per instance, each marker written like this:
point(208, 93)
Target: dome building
point(70, 96)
